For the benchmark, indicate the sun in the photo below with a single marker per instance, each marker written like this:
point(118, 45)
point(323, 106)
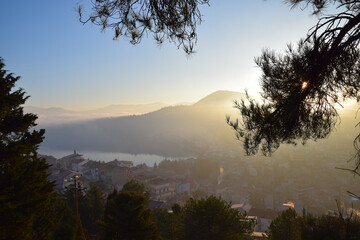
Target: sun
point(304, 85)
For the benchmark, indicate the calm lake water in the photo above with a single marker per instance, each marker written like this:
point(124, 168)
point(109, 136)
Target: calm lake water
point(148, 159)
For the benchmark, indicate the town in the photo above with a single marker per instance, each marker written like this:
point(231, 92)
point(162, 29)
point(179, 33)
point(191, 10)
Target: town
point(261, 188)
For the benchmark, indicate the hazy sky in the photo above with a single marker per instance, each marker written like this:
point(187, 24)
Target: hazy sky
point(66, 64)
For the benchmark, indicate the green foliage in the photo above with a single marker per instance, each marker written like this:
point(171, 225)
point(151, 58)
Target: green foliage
point(302, 87)
point(96, 205)
point(290, 225)
point(318, 5)
point(212, 218)
point(69, 196)
point(27, 200)
point(287, 226)
point(178, 166)
point(175, 21)
point(136, 186)
point(207, 218)
point(198, 194)
point(47, 220)
point(91, 208)
point(176, 208)
point(66, 229)
point(330, 227)
point(127, 217)
point(170, 224)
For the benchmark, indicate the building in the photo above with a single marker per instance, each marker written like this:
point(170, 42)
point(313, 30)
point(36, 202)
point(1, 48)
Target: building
point(62, 179)
point(66, 162)
point(90, 171)
point(161, 189)
point(243, 208)
point(263, 218)
point(182, 187)
point(128, 164)
point(77, 164)
point(113, 175)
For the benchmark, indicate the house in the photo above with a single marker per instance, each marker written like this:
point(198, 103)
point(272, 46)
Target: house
point(243, 208)
point(161, 189)
point(258, 236)
point(90, 170)
point(62, 179)
point(138, 170)
point(84, 182)
point(122, 163)
point(263, 218)
point(145, 177)
point(77, 164)
point(182, 187)
point(66, 162)
point(113, 175)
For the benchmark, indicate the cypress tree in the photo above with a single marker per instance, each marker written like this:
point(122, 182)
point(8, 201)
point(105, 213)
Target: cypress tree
point(27, 199)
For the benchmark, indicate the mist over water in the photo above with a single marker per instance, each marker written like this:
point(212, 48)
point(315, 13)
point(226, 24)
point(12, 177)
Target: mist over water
point(175, 132)
point(148, 159)
point(180, 132)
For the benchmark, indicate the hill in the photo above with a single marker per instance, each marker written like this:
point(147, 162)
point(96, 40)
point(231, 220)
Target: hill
point(171, 131)
point(189, 130)
point(56, 116)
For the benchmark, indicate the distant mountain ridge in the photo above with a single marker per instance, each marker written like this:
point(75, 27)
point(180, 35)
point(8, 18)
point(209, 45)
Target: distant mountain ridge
point(188, 130)
point(170, 131)
point(56, 115)
point(220, 97)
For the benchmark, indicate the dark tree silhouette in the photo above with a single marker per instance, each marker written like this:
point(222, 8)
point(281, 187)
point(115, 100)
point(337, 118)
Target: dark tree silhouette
point(290, 225)
point(213, 218)
point(27, 200)
point(302, 87)
point(170, 224)
point(96, 205)
point(287, 226)
point(127, 217)
point(175, 21)
point(136, 186)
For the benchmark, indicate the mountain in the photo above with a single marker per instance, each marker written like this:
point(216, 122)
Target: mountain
point(47, 111)
point(130, 109)
point(171, 131)
point(56, 116)
point(220, 98)
point(190, 130)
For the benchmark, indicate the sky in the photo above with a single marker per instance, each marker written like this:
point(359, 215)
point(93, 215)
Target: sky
point(63, 63)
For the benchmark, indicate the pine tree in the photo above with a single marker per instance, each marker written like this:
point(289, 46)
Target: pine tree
point(127, 217)
point(212, 218)
point(96, 204)
point(175, 21)
point(27, 199)
point(303, 86)
point(286, 226)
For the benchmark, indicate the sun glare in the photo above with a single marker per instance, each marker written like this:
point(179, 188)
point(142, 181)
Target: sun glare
point(304, 85)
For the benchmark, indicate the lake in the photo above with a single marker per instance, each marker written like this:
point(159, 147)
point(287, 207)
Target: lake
point(148, 159)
